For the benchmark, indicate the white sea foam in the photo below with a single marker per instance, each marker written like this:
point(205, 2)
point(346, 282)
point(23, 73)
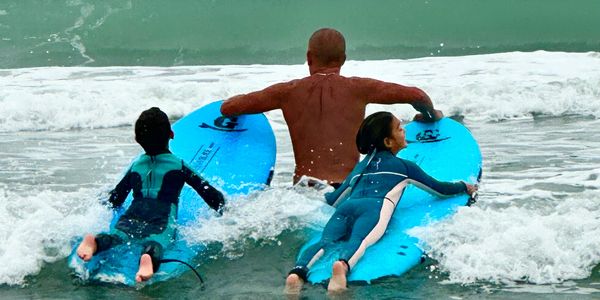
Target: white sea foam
point(516, 244)
point(482, 87)
point(260, 217)
point(39, 227)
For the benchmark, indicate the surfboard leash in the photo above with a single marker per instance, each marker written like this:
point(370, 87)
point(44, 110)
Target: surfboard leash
point(169, 260)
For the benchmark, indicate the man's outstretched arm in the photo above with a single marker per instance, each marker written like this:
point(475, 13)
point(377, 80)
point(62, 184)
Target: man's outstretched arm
point(382, 92)
point(256, 102)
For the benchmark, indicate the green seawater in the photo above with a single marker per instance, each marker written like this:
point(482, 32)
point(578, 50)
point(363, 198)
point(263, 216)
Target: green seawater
point(207, 32)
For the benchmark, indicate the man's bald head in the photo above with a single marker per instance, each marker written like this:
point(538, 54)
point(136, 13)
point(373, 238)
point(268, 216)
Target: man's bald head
point(327, 47)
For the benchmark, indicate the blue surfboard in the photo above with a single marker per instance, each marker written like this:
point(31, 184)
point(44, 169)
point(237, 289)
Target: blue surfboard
point(447, 151)
point(234, 154)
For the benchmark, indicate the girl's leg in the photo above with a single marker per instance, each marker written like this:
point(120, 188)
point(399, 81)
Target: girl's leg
point(338, 279)
point(336, 229)
point(293, 284)
point(363, 225)
point(368, 229)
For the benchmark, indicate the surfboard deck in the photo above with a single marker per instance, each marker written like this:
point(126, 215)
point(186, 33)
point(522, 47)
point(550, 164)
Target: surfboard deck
point(236, 155)
point(447, 151)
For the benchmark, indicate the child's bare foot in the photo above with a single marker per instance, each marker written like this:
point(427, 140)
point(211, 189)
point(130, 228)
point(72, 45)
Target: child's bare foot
point(293, 285)
point(87, 248)
point(146, 271)
point(337, 283)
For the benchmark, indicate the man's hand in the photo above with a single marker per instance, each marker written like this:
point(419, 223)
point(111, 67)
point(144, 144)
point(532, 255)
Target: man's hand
point(437, 115)
point(471, 189)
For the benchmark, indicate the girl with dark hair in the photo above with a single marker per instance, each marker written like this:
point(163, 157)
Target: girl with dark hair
point(367, 198)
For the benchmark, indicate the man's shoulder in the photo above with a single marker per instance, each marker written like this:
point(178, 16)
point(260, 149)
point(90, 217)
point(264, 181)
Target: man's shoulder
point(291, 82)
point(285, 86)
point(363, 80)
point(309, 80)
point(347, 80)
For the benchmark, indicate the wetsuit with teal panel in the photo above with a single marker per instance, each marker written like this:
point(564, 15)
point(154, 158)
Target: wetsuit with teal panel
point(365, 203)
point(156, 182)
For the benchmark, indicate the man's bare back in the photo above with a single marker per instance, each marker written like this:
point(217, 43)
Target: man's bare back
point(324, 110)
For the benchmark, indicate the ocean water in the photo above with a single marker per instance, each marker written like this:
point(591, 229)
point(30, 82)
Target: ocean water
point(66, 135)
point(523, 76)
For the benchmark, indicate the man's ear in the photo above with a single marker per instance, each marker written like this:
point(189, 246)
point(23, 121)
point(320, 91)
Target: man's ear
point(309, 59)
point(172, 135)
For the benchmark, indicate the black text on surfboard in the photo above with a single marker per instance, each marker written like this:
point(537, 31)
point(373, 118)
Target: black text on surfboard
point(429, 136)
point(224, 123)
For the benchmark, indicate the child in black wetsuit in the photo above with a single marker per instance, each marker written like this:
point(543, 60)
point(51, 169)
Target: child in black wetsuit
point(156, 179)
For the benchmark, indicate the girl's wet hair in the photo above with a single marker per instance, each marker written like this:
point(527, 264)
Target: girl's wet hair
point(373, 131)
point(153, 130)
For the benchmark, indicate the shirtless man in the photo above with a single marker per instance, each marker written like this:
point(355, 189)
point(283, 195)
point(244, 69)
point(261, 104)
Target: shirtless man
point(324, 110)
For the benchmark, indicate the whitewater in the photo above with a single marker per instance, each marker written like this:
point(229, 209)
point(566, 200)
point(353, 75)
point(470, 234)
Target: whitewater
point(66, 135)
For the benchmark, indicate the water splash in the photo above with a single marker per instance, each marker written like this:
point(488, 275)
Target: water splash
point(260, 218)
point(37, 228)
point(518, 244)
